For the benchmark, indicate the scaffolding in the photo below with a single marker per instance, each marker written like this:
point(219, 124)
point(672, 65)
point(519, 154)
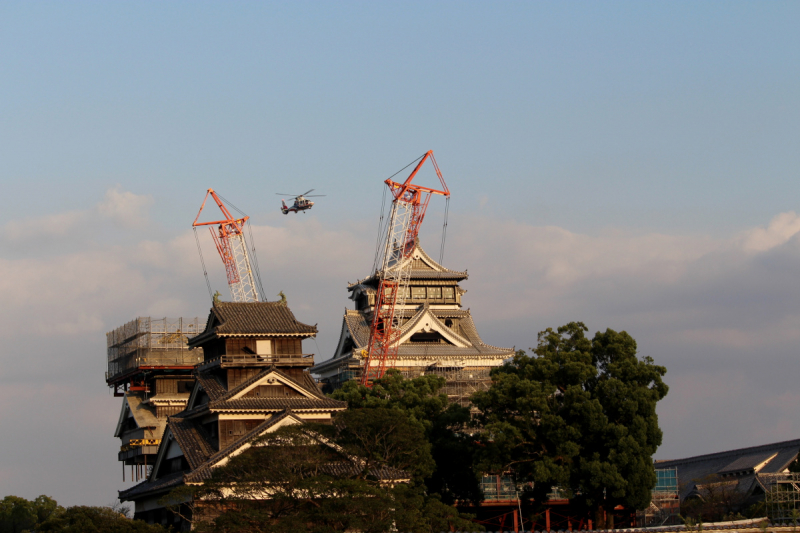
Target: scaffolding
point(147, 342)
point(460, 382)
point(665, 503)
point(781, 496)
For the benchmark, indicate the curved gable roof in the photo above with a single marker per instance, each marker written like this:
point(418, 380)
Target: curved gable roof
point(252, 318)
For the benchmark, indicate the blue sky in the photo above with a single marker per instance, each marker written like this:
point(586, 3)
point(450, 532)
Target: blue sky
point(629, 164)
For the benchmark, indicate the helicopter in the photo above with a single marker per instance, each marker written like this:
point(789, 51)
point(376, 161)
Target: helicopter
point(300, 202)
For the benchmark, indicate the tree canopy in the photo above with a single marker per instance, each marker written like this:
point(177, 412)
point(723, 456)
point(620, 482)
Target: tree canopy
point(18, 515)
point(445, 423)
point(579, 414)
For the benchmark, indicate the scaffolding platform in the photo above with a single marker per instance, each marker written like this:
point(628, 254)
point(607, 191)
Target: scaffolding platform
point(152, 343)
point(781, 496)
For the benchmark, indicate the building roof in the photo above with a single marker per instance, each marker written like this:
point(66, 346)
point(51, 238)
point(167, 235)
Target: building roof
point(356, 325)
point(161, 484)
point(195, 442)
point(422, 267)
point(251, 318)
point(143, 414)
point(694, 470)
point(211, 385)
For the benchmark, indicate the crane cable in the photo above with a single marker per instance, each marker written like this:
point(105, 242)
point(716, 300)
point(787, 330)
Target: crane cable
point(381, 229)
point(256, 269)
point(202, 261)
point(379, 240)
point(444, 231)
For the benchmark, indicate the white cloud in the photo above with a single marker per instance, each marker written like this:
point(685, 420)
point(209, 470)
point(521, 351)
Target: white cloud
point(122, 208)
point(125, 208)
point(780, 229)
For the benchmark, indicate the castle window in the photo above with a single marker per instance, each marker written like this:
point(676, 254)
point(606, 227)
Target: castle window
point(418, 293)
point(448, 323)
point(449, 293)
point(435, 293)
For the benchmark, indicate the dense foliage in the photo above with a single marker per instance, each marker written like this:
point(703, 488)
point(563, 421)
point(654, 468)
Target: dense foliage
point(453, 450)
point(18, 515)
point(581, 415)
point(327, 478)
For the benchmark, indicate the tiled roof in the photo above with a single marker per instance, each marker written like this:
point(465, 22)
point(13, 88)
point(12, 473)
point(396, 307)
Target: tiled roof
point(143, 414)
point(276, 404)
point(161, 484)
point(306, 383)
point(252, 318)
point(356, 323)
point(435, 271)
point(445, 350)
point(194, 441)
point(210, 384)
point(348, 468)
point(358, 326)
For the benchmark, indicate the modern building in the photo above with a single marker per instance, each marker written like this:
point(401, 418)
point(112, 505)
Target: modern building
point(736, 479)
point(438, 335)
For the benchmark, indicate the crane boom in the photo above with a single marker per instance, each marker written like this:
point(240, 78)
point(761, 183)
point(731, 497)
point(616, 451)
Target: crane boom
point(229, 239)
point(408, 210)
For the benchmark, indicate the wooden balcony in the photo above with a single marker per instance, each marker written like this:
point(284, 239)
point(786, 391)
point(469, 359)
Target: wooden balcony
point(246, 359)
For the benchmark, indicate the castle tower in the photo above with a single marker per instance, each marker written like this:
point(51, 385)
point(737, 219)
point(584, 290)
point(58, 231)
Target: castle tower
point(438, 334)
point(150, 366)
point(253, 379)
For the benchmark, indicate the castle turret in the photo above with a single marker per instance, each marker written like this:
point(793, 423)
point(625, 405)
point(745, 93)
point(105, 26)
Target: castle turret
point(150, 366)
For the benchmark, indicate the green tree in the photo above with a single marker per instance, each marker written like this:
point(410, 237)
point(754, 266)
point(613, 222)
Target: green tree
point(443, 422)
point(580, 414)
point(318, 478)
point(18, 514)
point(85, 519)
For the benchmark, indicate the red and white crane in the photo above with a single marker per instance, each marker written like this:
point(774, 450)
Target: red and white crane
point(408, 210)
point(229, 238)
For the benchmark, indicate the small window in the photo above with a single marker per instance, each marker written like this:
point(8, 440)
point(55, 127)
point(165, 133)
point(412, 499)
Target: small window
point(449, 293)
point(418, 293)
point(264, 347)
point(435, 293)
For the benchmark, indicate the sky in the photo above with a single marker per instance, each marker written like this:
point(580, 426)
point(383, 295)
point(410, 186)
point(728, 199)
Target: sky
point(632, 165)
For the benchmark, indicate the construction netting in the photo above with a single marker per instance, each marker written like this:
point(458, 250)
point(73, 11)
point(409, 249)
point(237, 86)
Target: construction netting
point(147, 341)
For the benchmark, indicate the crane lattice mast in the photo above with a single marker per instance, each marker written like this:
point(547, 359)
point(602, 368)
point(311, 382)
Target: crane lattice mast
point(408, 209)
point(229, 239)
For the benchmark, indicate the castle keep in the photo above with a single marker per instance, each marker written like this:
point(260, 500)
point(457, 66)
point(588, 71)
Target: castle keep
point(438, 336)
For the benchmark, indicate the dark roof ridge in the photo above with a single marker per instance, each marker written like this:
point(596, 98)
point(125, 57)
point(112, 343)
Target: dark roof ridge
point(727, 453)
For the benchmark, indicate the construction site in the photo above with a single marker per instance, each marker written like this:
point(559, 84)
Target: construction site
point(408, 315)
point(146, 344)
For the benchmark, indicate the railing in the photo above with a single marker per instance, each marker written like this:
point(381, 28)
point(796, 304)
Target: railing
point(247, 359)
point(135, 443)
